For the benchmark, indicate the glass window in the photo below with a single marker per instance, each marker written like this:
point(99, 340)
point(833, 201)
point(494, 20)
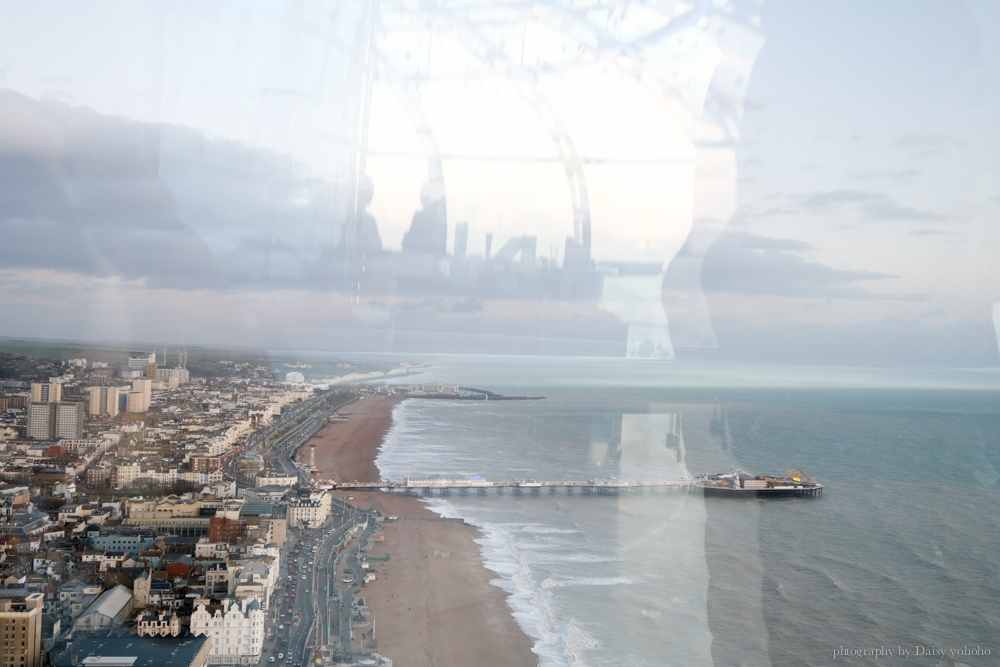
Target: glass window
point(681, 315)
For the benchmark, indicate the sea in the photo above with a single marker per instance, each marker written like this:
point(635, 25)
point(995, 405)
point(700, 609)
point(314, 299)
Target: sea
point(898, 562)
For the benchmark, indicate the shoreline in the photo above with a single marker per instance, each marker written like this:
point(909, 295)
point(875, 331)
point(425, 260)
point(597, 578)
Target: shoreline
point(433, 604)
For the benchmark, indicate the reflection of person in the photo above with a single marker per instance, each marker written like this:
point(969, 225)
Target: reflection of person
point(428, 233)
point(369, 241)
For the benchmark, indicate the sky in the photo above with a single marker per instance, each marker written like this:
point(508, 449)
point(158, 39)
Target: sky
point(803, 181)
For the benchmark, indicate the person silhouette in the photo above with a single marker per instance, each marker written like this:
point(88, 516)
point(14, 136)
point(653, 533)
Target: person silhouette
point(369, 240)
point(428, 232)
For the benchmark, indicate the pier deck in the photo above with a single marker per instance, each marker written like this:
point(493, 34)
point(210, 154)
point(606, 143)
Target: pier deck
point(611, 487)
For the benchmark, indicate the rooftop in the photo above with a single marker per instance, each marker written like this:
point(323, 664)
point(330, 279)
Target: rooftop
point(130, 651)
point(111, 602)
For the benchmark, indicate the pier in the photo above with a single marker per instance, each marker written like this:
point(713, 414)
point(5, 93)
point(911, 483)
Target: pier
point(592, 487)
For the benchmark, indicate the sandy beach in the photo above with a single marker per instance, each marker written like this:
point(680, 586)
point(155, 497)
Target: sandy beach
point(346, 451)
point(432, 605)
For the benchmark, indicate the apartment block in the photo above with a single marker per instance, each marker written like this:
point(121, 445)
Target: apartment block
point(21, 627)
point(50, 421)
point(140, 396)
point(46, 392)
point(103, 401)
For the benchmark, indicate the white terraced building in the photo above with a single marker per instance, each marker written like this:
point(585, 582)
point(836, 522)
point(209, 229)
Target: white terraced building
point(236, 629)
point(309, 512)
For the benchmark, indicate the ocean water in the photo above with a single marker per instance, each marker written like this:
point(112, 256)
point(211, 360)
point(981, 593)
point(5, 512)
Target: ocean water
point(902, 551)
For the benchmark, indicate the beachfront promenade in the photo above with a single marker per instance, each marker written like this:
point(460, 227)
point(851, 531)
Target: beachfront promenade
point(465, 487)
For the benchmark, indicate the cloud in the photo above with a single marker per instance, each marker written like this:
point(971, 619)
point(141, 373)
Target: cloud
point(867, 205)
point(890, 175)
point(81, 193)
point(928, 145)
point(766, 243)
point(750, 264)
point(103, 196)
point(928, 140)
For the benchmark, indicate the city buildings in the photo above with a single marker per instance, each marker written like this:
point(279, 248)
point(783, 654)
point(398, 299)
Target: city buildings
point(236, 629)
point(121, 538)
point(180, 374)
point(131, 566)
point(111, 608)
point(140, 397)
point(132, 650)
point(275, 479)
point(309, 511)
point(46, 392)
point(21, 628)
point(141, 362)
point(161, 624)
point(103, 401)
point(41, 421)
point(69, 420)
point(49, 421)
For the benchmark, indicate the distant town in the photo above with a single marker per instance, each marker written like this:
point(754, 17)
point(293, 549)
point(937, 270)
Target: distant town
point(178, 519)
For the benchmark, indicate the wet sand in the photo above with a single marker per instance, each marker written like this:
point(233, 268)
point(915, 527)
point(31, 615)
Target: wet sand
point(432, 604)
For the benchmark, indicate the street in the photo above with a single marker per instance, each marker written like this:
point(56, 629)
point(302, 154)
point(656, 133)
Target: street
point(302, 595)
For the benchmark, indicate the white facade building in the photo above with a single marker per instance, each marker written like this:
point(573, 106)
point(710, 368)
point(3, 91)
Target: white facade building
point(309, 512)
point(275, 479)
point(140, 362)
point(236, 629)
point(181, 375)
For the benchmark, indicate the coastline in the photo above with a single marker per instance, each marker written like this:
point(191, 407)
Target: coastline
point(432, 605)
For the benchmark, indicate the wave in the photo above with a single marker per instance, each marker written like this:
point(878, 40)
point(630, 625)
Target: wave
point(557, 638)
point(548, 530)
point(553, 582)
point(546, 558)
